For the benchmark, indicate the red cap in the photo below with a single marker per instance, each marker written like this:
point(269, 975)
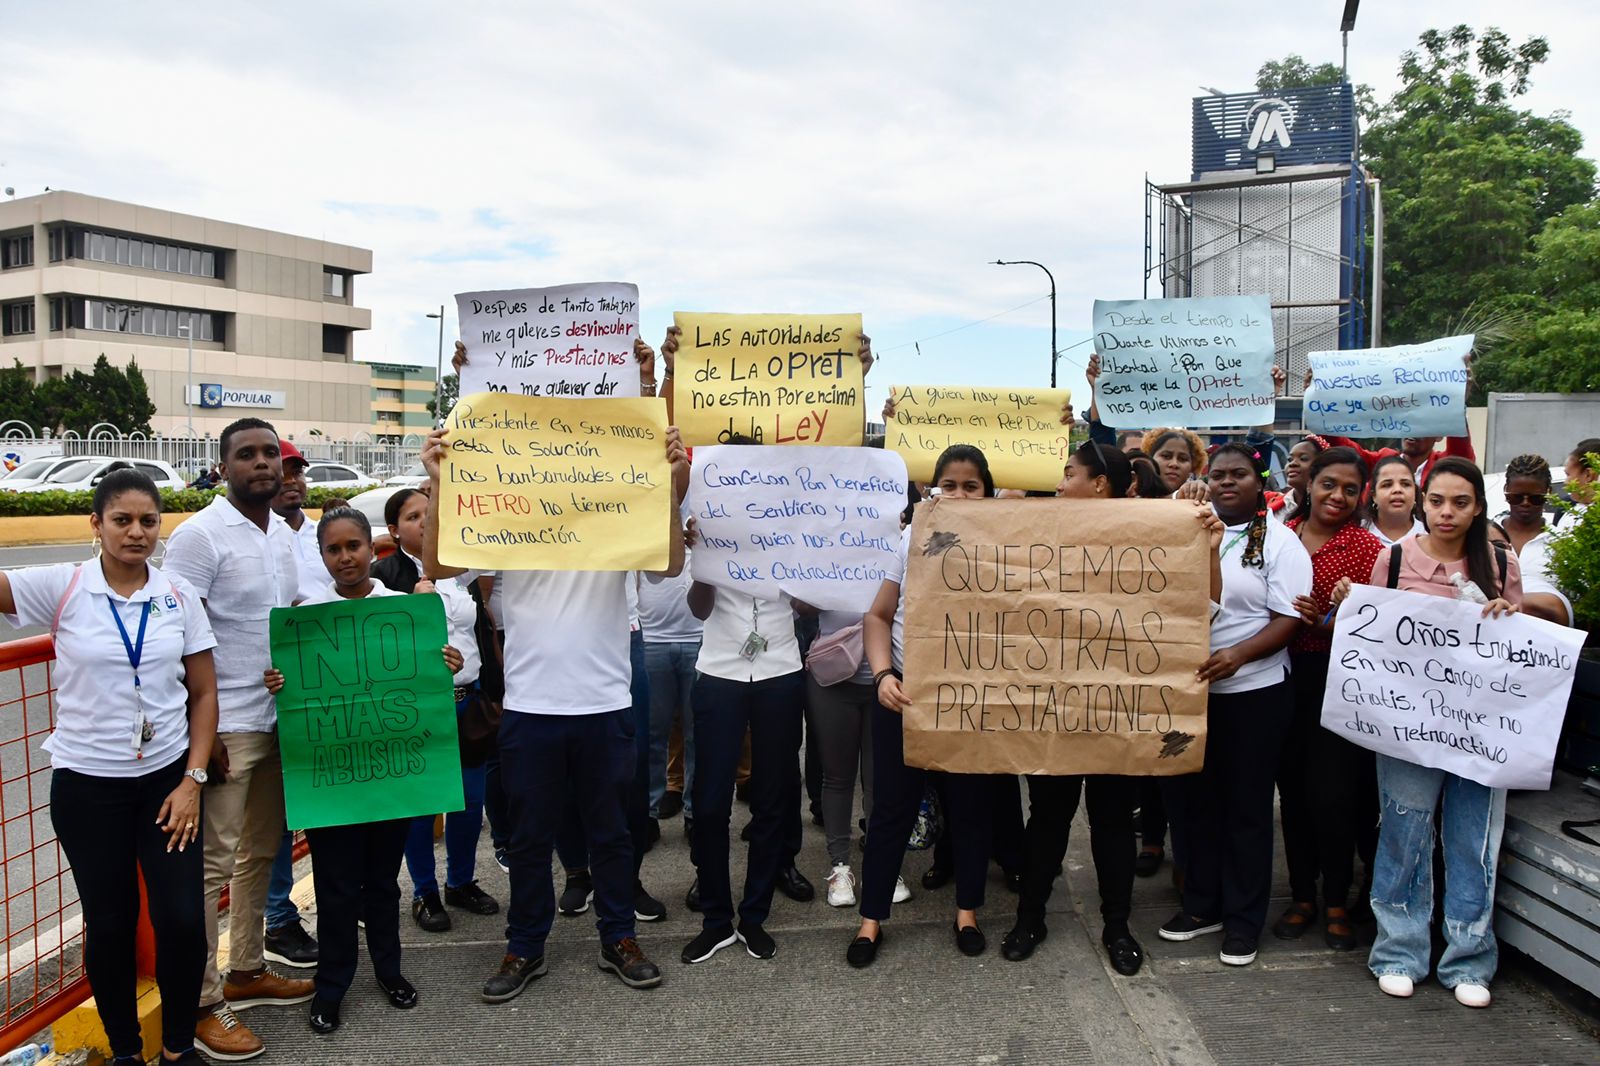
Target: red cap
point(288, 452)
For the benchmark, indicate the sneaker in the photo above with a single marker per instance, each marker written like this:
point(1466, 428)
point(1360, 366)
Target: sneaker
point(1470, 995)
point(222, 1036)
point(1182, 927)
point(291, 945)
point(708, 943)
point(1237, 950)
point(627, 960)
point(267, 989)
point(514, 975)
point(841, 887)
point(1397, 985)
point(902, 891)
point(430, 914)
point(757, 941)
point(646, 908)
point(469, 897)
point(576, 895)
point(502, 859)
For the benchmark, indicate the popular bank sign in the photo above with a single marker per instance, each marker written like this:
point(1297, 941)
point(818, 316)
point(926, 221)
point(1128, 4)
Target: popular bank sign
point(211, 395)
point(1289, 127)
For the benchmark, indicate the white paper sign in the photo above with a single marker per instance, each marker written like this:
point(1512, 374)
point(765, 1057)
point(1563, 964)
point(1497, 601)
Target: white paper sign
point(1409, 390)
point(574, 341)
point(1431, 681)
point(819, 523)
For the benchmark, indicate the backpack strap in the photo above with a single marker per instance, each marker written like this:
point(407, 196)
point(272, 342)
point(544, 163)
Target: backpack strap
point(1394, 566)
point(55, 623)
point(1500, 557)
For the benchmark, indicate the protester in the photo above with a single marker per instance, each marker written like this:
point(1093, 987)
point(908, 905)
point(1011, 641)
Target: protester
point(354, 866)
point(239, 556)
point(1228, 816)
point(1392, 510)
point(136, 715)
point(1582, 477)
point(1470, 815)
point(671, 647)
point(839, 713)
point(1301, 456)
point(1527, 489)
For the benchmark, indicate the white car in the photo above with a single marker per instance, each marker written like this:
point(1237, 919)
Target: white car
point(337, 476)
point(34, 471)
point(85, 472)
point(413, 477)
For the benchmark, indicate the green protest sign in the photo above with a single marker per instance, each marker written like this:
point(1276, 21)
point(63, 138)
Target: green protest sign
point(366, 717)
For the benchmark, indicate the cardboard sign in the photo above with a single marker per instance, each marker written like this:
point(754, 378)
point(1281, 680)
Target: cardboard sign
point(367, 714)
point(1409, 390)
point(821, 524)
point(567, 340)
point(1019, 430)
point(1431, 681)
point(1196, 363)
point(1056, 637)
point(535, 484)
point(777, 379)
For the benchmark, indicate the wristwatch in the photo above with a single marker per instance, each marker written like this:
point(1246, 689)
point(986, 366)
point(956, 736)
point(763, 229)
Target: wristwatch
point(198, 775)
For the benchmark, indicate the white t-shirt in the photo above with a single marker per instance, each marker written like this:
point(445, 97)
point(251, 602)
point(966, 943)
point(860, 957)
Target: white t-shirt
point(567, 642)
point(1416, 527)
point(308, 558)
point(1249, 593)
point(1535, 560)
point(242, 573)
point(897, 634)
point(329, 593)
point(95, 706)
point(664, 608)
point(734, 615)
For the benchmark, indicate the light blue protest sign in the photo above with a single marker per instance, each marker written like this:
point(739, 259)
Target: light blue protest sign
point(1409, 390)
point(1199, 363)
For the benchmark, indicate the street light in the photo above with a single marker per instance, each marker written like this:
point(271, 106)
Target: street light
point(438, 388)
point(1052, 277)
point(187, 330)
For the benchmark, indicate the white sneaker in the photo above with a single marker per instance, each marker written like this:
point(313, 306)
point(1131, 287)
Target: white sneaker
point(901, 892)
point(1472, 995)
point(841, 887)
point(1395, 984)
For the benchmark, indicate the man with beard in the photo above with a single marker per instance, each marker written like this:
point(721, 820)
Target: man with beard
point(240, 558)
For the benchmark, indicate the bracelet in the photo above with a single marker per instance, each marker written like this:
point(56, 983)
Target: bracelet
point(877, 678)
point(643, 384)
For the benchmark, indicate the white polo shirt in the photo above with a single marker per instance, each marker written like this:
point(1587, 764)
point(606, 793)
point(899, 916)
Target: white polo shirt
point(733, 617)
point(897, 632)
point(242, 573)
point(95, 706)
point(567, 641)
point(1251, 593)
point(308, 560)
point(461, 615)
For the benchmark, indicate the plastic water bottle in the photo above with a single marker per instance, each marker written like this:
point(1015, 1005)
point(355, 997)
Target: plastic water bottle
point(1466, 591)
point(26, 1055)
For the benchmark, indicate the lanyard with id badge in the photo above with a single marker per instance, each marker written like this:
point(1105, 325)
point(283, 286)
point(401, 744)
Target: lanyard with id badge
point(142, 730)
point(755, 643)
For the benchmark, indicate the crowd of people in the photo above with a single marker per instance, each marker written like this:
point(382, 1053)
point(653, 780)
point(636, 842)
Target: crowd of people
point(683, 695)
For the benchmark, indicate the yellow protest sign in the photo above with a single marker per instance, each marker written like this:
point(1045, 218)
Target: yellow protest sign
point(1019, 430)
point(777, 379)
point(530, 483)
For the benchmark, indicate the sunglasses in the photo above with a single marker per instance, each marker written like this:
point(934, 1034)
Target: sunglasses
point(1517, 499)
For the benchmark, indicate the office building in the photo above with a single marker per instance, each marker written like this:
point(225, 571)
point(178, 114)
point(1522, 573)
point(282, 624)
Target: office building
point(400, 398)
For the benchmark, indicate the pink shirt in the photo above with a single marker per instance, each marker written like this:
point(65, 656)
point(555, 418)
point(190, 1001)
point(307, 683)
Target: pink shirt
point(1421, 572)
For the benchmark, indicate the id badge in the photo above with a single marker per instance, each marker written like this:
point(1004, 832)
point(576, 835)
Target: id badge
point(753, 645)
point(142, 730)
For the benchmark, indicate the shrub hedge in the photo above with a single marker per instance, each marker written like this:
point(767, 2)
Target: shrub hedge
point(173, 501)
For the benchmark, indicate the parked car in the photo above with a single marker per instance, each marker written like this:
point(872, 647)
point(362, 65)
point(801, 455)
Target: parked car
point(325, 475)
point(33, 471)
point(85, 472)
point(411, 478)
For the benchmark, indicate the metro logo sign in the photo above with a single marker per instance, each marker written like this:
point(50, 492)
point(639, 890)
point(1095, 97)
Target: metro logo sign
point(1268, 121)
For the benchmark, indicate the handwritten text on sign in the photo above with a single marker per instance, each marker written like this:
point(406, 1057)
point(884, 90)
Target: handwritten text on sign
point(367, 714)
point(1056, 637)
point(1197, 362)
point(821, 524)
point(1019, 430)
point(1430, 681)
point(535, 484)
point(777, 379)
point(1409, 390)
point(568, 340)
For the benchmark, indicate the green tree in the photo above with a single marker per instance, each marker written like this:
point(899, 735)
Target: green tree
point(79, 401)
point(18, 396)
point(448, 387)
point(1294, 72)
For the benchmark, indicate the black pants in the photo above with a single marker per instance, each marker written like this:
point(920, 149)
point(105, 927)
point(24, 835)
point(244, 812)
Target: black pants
point(355, 870)
point(1052, 804)
point(107, 827)
point(1152, 812)
point(1342, 786)
point(1228, 815)
point(1300, 851)
point(1008, 835)
point(896, 796)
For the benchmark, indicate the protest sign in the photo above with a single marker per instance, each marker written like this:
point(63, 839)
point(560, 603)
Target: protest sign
point(1409, 390)
point(1429, 680)
point(367, 714)
point(821, 524)
point(777, 379)
point(566, 340)
point(1019, 430)
point(1056, 637)
point(537, 484)
point(1196, 363)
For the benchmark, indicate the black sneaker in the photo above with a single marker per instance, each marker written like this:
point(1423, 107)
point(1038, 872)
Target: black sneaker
point(646, 908)
point(291, 945)
point(502, 859)
point(1184, 927)
point(627, 960)
point(757, 941)
point(1237, 950)
point(576, 895)
point(513, 976)
point(671, 806)
point(469, 897)
point(430, 913)
point(708, 943)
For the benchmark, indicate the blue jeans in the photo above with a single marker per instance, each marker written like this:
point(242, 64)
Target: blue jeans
point(281, 910)
point(1471, 818)
point(670, 668)
point(461, 831)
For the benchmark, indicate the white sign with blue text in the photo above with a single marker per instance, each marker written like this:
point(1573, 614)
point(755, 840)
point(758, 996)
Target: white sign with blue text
point(819, 523)
point(1409, 390)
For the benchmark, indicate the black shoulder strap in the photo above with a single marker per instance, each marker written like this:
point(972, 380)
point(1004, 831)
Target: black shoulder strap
point(1394, 566)
point(1500, 557)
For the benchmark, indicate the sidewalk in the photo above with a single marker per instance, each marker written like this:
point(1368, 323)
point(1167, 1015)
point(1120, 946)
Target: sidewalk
point(922, 1001)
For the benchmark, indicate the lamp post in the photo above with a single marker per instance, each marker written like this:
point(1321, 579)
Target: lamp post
point(438, 388)
point(188, 385)
point(1052, 277)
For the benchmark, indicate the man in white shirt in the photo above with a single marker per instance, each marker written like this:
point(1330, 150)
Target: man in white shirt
point(240, 558)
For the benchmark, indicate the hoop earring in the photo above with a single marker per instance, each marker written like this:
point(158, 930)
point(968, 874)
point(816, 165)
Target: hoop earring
point(94, 547)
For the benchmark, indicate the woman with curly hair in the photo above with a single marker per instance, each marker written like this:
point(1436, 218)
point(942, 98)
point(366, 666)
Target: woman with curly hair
point(1179, 455)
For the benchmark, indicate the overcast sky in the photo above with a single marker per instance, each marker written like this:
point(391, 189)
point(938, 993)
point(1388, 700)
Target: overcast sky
point(811, 157)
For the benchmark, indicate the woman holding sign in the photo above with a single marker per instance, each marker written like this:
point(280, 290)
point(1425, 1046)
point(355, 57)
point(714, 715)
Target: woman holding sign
point(136, 716)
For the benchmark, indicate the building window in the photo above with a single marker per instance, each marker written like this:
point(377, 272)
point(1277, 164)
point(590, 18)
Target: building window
point(147, 321)
point(16, 251)
point(17, 319)
point(389, 416)
point(335, 340)
point(390, 395)
point(58, 244)
point(58, 313)
point(334, 283)
point(135, 252)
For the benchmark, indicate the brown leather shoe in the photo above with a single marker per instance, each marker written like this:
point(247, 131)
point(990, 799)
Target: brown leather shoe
point(222, 1036)
point(267, 989)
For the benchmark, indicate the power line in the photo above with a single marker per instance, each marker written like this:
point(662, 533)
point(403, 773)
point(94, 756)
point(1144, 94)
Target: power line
point(969, 325)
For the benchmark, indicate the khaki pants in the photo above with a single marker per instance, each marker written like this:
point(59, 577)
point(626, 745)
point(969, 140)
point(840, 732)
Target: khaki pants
point(244, 824)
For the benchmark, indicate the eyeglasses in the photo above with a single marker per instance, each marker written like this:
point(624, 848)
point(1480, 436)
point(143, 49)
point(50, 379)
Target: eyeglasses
point(1517, 499)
